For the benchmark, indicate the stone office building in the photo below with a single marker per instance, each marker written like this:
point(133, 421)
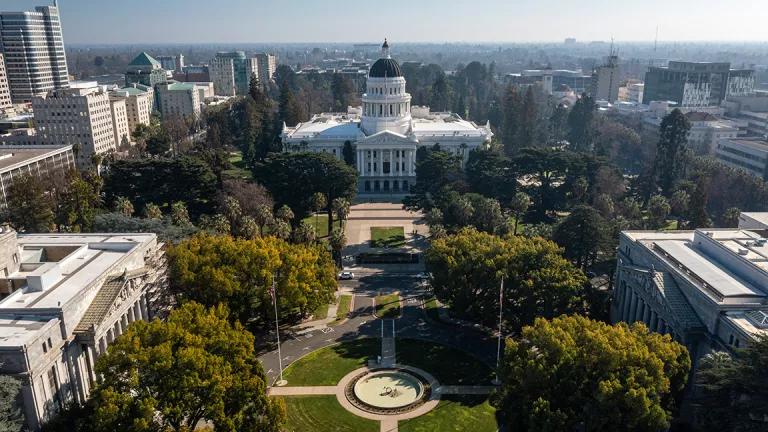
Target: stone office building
point(63, 299)
point(708, 289)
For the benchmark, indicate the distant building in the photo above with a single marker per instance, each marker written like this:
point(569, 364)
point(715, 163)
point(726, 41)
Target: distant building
point(64, 299)
point(266, 65)
point(632, 91)
point(81, 117)
point(138, 104)
point(39, 161)
point(193, 73)
point(707, 289)
point(606, 79)
point(570, 41)
point(574, 79)
point(145, 70)
point(231, 73)
point(120, 126)
point(694, 84)
point(183, 99)
point(750, 155)
point(5, 90)
point(33, 46)
point(172, 63)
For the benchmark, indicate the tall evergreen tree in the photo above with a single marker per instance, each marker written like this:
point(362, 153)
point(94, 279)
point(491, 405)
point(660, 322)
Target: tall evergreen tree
point(580, 123)
point(527, 129)
point(670, 150)
point(30, 207)
point(511, 106)
point(343, 91)
point(289, 110)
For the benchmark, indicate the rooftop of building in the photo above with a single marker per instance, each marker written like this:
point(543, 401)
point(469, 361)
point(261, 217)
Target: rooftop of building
point(347, 125)
point(754, 144)
point(57, 271)
point(145, 59)
point(12, 157)
point(729, 265)
point(698, 116)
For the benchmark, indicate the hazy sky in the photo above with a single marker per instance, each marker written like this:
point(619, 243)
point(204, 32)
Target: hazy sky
point(200, 21)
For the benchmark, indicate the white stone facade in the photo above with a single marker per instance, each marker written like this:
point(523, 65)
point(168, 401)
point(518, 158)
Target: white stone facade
point(266, 66)
point(120, 121)
point(138, 104)
point(386, 132)
point(81, 117)
point(706, 288)
point(66, 297)
point(40, 161)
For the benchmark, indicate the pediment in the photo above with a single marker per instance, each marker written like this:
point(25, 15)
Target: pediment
point(386, 137)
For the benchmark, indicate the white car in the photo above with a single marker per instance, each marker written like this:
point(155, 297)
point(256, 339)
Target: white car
point(346, 275)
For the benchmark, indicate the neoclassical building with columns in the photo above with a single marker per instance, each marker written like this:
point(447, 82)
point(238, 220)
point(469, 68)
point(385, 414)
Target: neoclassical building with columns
point(64, 298)
point(706, 288)
point(386, 131)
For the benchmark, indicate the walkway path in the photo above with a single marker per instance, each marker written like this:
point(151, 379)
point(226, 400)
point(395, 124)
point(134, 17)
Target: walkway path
point(388, 355)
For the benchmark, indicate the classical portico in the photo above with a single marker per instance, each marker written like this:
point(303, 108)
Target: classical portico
point(386, 131)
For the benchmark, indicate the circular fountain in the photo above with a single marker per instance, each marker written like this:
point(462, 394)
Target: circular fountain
point(388, 391)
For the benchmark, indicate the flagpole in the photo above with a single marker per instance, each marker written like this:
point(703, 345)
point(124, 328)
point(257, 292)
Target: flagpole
point(281, 382)
point(496, 380)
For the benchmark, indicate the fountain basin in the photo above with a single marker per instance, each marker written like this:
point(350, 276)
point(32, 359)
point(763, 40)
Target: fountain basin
point(388, 391)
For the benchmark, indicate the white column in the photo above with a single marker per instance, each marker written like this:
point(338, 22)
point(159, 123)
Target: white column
point(145, 308)
point(391, 167)
point(630, 315)
point(131, 316)
point(137, 311)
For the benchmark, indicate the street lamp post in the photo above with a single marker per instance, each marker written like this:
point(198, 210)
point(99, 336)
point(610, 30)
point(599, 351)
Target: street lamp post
point(281, 382)
point(497, 381)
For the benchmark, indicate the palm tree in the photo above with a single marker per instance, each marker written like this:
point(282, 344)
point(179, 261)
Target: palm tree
point(340, 207)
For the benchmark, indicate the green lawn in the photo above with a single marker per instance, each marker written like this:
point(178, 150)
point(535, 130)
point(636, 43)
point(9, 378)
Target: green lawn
point(328, 365)
point(448, 365)
point(323, 414)
point(320, 222)
point(432, 309)
point(345, 302)
point(387, 237)
point(321, 312)
point(238, 170)
point(388, 306)
point(455, 413)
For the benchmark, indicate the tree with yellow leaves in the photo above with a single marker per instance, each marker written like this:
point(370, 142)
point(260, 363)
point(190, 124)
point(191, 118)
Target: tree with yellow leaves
point(239, 272)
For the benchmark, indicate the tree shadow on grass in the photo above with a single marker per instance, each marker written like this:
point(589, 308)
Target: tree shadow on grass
point(448, 365)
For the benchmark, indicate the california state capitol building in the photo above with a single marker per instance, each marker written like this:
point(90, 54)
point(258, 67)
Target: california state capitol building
point(386, 132)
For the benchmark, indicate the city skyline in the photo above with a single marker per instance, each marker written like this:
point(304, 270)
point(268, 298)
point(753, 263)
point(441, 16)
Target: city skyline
point(240, 21)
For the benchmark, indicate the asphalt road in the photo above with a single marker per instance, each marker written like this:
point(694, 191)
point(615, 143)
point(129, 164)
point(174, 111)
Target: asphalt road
point(362, 323)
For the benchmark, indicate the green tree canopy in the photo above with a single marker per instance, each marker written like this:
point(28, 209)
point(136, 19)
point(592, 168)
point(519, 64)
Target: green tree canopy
point(293, 178)
point(11, 414)
point(467, 268)
point(30, 208)
point(162, 181)
point(671, 150)
point(583, 234)
point(572, 373)
point(581, 124)
point(239, 272)
point(169, 375)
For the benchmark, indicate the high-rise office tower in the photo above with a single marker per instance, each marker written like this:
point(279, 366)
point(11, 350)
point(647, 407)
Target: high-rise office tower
point(267, 64)
point(231, 73)
point(33, 46)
